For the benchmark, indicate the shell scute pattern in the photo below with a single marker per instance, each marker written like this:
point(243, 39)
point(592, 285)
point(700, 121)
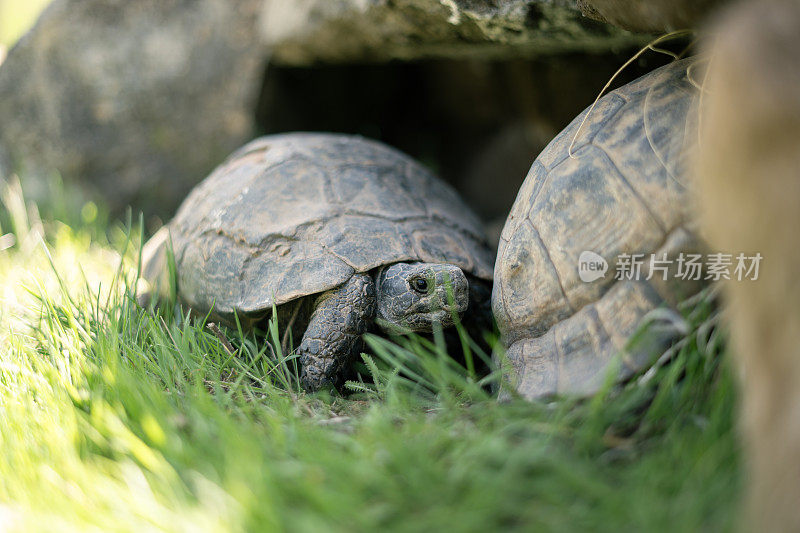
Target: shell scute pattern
point(581, 359)
point(292, 215)
point(525, 198)
point(590, 207)
point(525, 263)
point(365, 242)
point(579, 132)
point(648, 144)
point(379, 191)
point(621, 190)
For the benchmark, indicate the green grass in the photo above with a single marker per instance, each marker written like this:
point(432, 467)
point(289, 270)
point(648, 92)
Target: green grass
point(118, 418)
point(16, 17)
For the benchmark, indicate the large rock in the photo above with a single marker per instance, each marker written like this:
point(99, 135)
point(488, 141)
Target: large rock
point(649, 15)
point(308, 31)
point(137, 100)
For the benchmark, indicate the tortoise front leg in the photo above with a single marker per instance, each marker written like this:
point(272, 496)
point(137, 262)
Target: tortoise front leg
point(333, 336)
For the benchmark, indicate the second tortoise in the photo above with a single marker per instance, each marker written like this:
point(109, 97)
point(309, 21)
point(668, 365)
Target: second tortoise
point(610, 190)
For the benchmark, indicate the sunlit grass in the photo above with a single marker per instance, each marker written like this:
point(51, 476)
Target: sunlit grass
point(16, 17)
point(119, 418)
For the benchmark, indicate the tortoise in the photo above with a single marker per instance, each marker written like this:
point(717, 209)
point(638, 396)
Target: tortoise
point(613, 182)
point(337, 230)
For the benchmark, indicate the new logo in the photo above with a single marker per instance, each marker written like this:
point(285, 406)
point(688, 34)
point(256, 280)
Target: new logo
point(591, 266)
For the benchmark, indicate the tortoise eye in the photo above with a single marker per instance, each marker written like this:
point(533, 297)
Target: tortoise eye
point(420, 285)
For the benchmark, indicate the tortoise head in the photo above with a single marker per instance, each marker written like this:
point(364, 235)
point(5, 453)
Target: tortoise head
point(415, 296)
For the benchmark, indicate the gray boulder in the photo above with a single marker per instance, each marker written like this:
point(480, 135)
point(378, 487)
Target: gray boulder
point(306, 31)
point(650, 15)
point(138, 101)
point(135, 100)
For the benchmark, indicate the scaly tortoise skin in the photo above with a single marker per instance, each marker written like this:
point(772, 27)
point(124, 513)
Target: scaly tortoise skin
point(350, 231)
point(623, 190)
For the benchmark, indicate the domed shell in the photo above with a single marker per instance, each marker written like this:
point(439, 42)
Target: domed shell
point(611, 183)
point(292, 215)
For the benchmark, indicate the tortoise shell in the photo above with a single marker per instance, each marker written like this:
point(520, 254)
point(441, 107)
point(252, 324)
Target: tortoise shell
point(613, 182)
point(292, 215)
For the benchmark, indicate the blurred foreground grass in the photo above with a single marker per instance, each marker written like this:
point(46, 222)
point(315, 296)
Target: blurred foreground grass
point(117, 418)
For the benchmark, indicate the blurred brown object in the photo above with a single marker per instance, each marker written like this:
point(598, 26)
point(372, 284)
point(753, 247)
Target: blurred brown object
point(649, 15)
point(135, 100)
point(749, 179)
